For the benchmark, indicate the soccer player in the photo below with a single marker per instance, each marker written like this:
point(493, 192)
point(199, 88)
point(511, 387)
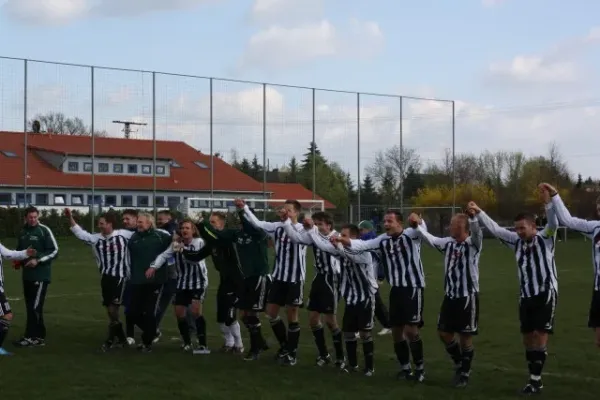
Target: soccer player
point(146, 283)
point(534, 252)
point(459, 312)
point(590, 229)
point(401, 255)
point(36, 276)
point(251, 246)
point(367, 232)
point(192, 282)
point(112, 258)
point(323, 297)
point(289, 275)
point(5, 311)
point(129, 220)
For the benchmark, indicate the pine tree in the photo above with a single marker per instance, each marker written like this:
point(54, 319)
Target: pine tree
point(388, 188)
point(350, 187)
point(579, 183)
point(255, 168)
point(368, 194)
point(292, 176)
point(245, 166)
point(313, 151)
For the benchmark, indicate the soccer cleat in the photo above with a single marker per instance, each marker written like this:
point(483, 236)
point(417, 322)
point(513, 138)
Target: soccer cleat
point(226, 349)
point(419, 375)
point(251, 356)
point(461, 381)
point(369, 372)
point(384, 331)
point(405, 374)
point(23, 342)
point(350, 368)
point(145, 349)
point(532, 388)
point(106, 346)
point(201, 350)
point(130, 341)
point(290, 361)
point(3, 352)
point(340, 364)
point(282, 353)
point(237, 350)
point(157, 337)
point(186, 347)
point(323, 360)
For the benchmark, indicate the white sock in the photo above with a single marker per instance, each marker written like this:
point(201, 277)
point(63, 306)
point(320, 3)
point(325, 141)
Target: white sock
point(226, 331)
point(237, 334)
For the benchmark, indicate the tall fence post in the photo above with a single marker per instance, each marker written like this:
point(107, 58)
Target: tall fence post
point(154, 143)
point(25, 141)
point(210, 131)
point(402, 176)
point(453, 159)
point(93, 210)
point(358, 152)
point(264, 128)
point(314, 147)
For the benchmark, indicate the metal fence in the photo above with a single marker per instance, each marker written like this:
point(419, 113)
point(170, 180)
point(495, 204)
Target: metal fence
point(271, 126)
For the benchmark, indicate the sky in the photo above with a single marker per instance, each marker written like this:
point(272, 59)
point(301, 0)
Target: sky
point(520, 74)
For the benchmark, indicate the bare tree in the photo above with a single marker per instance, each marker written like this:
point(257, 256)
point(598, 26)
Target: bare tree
point(58, 123)
point(391, 167)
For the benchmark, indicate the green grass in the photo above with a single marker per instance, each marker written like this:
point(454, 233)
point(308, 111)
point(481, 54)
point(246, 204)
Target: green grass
point(70, 367)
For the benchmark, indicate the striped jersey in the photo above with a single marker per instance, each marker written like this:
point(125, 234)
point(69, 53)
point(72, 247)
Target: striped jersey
point(535, 258)
point(590, 229)
point(461, 260)
point(9, 255)
point(326, 263)
point(290, 257)
point(111, 251)
point(400, 256)
point(191, 275)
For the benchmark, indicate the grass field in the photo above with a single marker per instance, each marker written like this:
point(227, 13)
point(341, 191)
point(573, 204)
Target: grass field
point(70, 367)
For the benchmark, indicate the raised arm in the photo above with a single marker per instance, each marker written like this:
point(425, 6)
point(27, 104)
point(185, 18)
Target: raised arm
point(434, 241)
point(507, 237)
point(13, 254)
point(552, 224)
point(321, 242)
point(299, 236)
point(228, 235)
point(476, 236)
point(577, 224)
point(268, 227)
point(84, 235)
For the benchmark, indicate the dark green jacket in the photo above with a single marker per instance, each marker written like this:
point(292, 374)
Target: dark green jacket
point(250, 244)
point(144, 247)
point(39, 237)
point(224, 254)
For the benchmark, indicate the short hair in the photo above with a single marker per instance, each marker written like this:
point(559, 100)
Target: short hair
point(323, 216)
point(219, 214)
point(295, 203)
point(165, 212)
point(396, 213)
point(109, 217)
point(354, 231)
point(529, 217)
point(149, 217)
point(188, 220)
point(31, 209)
point(130, 211)
point(464, 218)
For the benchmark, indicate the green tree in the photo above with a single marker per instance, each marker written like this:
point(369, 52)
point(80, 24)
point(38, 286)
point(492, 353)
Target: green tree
point(244, 166)
point(292, 174)
point(255, 168)
point(58, 123)
point(368, 194)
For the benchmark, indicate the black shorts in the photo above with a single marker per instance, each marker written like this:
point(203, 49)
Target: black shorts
point(113, 289)
point(185, 297)
point(4, 304)
point(227, 301)
point(537, 313)
point(254, 293)
point(359, 317)
point(323, 297)
point(406, 306)
point(286, 293)
point(594, 318)
point(460, 315)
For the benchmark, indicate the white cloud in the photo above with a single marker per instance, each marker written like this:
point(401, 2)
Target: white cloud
point(279, 47)
point(285, 11)
point(62, 12)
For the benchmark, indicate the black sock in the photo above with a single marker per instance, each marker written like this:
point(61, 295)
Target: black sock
point(4, 327)
point(257, 342)
point(453, 349)
point(467, 359)
point(118, 331)
point(403, 354)
point(416, 349)
point(201, 330)
point(368, 351)
point(338, 344)
point(293, 338)
point(279, 330)
point(351, 346)
point(184, 330)
point(536, 358)
point(110, 337)
point(319, 334)
point(129, 325)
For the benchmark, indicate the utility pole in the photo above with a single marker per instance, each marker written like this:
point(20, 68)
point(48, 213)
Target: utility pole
point(127, 126)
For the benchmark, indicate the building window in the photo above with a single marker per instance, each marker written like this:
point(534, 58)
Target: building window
point(9, 154)
point(5, 199)
point(59, 200)
point(132, 168)
point(160, 170)
point(41, 199)
point(110, 200)
point(146, 169)
point(87, 167)
point(73, 166)
point(173, 202)
point(126, 201)
point(97, 199)
point(76, 199)
point(103, 167)
point(159, 201)
point(143, 201)
point(201, 164)
point(22, 200)
point(118, 168)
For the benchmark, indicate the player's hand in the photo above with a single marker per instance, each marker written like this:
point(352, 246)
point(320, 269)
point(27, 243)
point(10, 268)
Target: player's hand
point(177, 247)
point(470, 212)
point(308, 223)
point(68, 213)
point(17, 265)
point(239, 203)
point(551, 189)
point(150, 273)
point(32, 263)
point(474, 207)
point(283, 214)
point(31, 252)
point(414, 220)
point(544, 193)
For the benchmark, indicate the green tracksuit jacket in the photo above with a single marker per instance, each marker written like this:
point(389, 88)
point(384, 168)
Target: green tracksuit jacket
point(41, 238)
point(144, 247)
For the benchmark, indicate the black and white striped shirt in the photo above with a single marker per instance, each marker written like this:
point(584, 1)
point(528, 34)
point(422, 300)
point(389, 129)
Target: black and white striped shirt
point(290, 257)
point(325, 262)
point(461, 260)
point(111, 252)
point(590, 229)
point(191, 275)
point(535, 258)
point(9, 255)
point(400, 255)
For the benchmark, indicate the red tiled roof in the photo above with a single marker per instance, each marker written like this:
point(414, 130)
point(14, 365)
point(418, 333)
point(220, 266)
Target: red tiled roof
point(294, 191)
point(187, 178)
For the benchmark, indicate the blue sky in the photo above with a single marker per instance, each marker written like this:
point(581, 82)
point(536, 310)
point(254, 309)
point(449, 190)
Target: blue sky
point(523, 72)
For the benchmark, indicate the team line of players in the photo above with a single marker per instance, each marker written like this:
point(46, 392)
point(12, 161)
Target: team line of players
point(344, 266)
